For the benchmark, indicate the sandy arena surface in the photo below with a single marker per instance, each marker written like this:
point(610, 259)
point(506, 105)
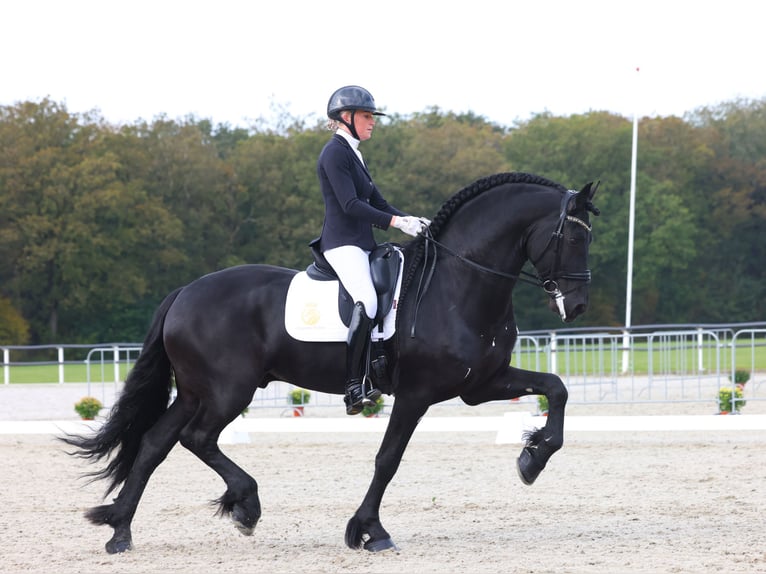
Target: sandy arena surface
point(676, 501)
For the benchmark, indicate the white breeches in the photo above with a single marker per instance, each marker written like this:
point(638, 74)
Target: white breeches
point(352, 265)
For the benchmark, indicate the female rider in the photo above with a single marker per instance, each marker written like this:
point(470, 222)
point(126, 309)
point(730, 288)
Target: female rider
point(353, 205)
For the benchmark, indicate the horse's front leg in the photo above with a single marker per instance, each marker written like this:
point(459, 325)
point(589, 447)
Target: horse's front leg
point(540, 444)
point(365, 528)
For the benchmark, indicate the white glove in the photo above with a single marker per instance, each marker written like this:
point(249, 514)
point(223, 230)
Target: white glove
point(426, 222)
point(408, 224)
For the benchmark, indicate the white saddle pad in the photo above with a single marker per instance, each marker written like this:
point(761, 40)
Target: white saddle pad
point(311, 311)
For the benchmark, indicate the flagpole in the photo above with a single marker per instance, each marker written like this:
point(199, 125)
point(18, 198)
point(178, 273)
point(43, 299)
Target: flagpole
point(631, 233)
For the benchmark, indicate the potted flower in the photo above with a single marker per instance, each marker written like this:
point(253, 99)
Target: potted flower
point(373, 410)
point(298, 398)
point(740, 378)
point(726, 402)
point(88, 407)
point(542, 405)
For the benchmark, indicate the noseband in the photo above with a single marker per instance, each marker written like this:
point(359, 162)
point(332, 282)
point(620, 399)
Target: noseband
point(549, 284)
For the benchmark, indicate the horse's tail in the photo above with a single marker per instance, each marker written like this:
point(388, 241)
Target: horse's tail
point(142, 402)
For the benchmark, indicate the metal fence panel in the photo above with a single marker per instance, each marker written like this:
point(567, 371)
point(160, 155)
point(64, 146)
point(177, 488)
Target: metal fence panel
point(657, 364)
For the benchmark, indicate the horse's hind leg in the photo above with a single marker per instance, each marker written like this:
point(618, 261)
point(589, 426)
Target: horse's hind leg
point(540, 443)
point(240, 501)
point(155, 446)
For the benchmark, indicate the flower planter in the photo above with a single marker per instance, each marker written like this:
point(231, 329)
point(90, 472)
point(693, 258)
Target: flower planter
point(542, 405)
point(371, 411)
point(88, 408)
point(730, 399)
point(298, 398)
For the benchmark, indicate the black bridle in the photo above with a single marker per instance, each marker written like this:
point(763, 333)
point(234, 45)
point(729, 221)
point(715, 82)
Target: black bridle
point(549, 284)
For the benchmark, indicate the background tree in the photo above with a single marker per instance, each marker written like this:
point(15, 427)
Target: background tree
point(99, 222)
point(733, 276)
point(73, 232)
point(14, 330)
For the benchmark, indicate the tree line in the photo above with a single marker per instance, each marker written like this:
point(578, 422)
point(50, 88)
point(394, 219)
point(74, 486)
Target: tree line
point(98, 222)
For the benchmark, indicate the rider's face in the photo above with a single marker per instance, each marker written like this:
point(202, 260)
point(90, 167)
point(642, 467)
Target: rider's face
point(363, 122)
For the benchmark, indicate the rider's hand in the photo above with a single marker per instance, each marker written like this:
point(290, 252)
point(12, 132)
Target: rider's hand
point(426, 222)
point(408, 224)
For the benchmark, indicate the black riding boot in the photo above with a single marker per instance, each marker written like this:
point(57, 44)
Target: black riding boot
point(357, 345)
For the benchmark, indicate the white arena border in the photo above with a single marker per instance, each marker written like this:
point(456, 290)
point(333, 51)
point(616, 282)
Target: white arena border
point(509, 428)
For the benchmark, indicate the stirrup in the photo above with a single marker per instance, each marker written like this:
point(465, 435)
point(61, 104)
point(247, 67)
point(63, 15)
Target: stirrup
point(371, 394)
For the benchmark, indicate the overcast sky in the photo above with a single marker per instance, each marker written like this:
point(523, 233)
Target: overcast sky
point(234, 61)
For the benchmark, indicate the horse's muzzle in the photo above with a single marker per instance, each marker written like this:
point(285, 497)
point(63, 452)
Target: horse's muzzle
point(565, 309)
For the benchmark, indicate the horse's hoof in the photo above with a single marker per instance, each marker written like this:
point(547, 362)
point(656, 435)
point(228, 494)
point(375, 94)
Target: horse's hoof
point(528, 467)
point(381, 545)
point(118, 546)
point(244, 529)
point(243, 521)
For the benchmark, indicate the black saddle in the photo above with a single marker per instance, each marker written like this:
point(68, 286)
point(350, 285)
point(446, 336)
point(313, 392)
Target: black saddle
point(385, 262)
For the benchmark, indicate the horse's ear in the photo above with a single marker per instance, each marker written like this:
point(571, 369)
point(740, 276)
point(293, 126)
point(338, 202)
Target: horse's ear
point(584, 199)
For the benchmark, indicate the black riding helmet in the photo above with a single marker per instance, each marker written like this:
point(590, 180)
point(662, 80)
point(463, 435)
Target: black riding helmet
point(351, 98)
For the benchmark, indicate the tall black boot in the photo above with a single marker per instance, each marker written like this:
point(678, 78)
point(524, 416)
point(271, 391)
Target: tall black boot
point(357, 345)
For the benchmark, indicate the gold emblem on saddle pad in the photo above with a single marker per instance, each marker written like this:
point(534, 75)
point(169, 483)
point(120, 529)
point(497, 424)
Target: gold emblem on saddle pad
point(310, 314)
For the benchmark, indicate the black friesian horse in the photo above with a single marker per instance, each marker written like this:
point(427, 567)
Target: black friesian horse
point(222, 336)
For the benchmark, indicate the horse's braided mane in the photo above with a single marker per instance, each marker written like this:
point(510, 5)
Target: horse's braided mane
point(415, 249)
point(479, 186)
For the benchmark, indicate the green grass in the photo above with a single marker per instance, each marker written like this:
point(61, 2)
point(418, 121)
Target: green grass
point(73, 373)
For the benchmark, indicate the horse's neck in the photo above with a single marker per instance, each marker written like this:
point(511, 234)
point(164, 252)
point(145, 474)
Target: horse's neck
point(491, 232)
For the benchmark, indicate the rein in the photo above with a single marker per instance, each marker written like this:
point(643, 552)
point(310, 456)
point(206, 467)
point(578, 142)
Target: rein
point(550, 285)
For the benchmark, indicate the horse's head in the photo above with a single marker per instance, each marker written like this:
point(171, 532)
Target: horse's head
point(560, 255)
